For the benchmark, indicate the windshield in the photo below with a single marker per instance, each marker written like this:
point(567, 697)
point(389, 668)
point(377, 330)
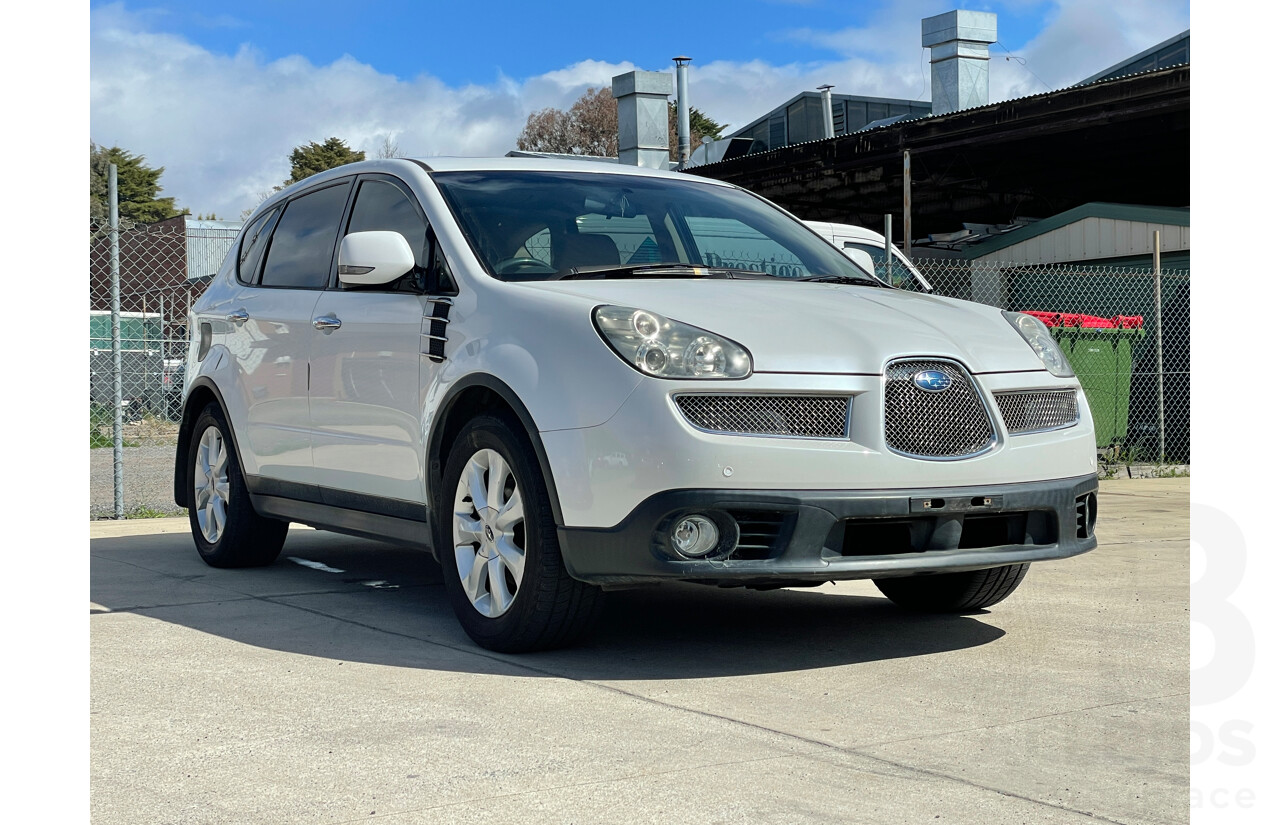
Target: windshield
point(535, 226)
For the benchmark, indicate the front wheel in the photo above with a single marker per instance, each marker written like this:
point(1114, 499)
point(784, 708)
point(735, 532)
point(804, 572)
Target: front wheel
point(954, 592)
point(498, 545)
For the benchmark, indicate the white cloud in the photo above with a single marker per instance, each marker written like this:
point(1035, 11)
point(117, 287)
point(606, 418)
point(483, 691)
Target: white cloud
point(1082, 38)
point(223, 125)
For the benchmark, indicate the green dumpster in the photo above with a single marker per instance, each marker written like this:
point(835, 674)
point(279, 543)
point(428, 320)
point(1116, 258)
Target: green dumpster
point(1103, 360)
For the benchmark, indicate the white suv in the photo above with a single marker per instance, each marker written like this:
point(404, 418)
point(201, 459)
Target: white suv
point(561, 377)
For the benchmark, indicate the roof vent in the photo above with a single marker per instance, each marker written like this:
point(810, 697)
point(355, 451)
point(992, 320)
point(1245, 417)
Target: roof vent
point(642, 118)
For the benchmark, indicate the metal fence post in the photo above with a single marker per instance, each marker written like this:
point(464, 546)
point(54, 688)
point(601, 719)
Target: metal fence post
point(888, 249)
point(117, 373)
point(906, 203)
point(1159, 344)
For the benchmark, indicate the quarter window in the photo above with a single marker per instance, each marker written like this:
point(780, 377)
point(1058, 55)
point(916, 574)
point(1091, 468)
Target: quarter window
point(252, 245)
point(383, 206)
point(301, 251)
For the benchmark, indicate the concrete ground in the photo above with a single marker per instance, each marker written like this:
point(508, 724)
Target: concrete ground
point(335, 686)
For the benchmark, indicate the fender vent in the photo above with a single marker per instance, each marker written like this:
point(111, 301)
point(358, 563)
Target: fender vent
point(436, 334)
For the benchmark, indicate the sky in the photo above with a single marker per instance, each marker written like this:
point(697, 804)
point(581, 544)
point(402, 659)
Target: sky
point(220, 96)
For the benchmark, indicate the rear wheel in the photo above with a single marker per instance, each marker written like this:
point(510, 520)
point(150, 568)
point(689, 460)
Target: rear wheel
point(227, 530)
point(954, 592)
point(498, 545)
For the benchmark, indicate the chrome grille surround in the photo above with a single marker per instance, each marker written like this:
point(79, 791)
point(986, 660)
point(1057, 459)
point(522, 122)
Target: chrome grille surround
point(1037, 411)
point(785, 416)
point(945, 425)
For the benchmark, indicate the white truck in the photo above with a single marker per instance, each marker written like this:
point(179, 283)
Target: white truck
point(866, 248)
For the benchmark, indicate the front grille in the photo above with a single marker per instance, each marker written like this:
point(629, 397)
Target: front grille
point(945, 424)
point(1035, 411)
point(797, 416)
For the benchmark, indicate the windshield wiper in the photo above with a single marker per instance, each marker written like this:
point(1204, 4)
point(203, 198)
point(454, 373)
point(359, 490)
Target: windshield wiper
point(845, 279)
point(658, 271)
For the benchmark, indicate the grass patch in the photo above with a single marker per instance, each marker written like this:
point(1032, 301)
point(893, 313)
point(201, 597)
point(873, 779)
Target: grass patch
point(101, 423)
point(143, 511)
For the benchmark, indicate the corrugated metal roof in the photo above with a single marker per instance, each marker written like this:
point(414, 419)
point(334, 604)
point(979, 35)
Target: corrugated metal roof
point(909, 119)
point(1139, 57)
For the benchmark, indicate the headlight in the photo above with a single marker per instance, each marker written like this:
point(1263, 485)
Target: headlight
point(1037, 335)
point(664, 348)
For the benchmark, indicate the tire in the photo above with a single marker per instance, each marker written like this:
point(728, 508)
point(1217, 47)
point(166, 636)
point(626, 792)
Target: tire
point(228, 532)
point(501, 561)
point(954, 592)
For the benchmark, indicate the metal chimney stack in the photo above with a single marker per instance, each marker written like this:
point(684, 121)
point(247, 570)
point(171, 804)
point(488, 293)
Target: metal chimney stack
point(682, 109)
point(643, 118)
point(958, 58)
point(828, 119)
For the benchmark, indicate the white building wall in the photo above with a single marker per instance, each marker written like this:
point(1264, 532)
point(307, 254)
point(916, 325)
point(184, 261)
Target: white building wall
point(1093, 239)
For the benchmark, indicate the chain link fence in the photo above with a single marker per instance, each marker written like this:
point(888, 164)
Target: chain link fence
point(163, 269)
point(1133, 362)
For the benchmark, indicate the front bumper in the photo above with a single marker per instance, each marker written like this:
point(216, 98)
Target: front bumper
point(604, 473)
point(811, 536)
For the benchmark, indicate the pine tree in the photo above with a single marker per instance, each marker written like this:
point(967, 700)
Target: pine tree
point(137, 187)
point(317, 157)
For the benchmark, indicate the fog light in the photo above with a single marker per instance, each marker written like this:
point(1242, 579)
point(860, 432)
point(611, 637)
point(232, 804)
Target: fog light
point(695, 536)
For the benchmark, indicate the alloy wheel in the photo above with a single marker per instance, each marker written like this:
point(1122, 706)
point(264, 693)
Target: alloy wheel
point(489, 533)
point(212, 489)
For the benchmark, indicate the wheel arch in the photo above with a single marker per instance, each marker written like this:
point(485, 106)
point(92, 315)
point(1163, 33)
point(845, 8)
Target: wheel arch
point(474, 395)
point(203, 392)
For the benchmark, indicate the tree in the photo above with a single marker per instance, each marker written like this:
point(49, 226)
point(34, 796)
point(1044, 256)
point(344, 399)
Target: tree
point(590, 127)
point(137, 187)
point(389, 148)
point(700, 127)
point(317, 157)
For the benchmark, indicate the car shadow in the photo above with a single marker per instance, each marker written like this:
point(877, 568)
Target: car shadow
point(354, 600)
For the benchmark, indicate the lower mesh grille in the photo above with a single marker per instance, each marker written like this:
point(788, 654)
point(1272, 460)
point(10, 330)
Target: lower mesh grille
point(798, 416)
point(933, 410)
point(1033, 411)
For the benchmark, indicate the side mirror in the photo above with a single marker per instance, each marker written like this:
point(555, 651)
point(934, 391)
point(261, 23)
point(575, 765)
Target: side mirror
point(862, 258)
point(373, 258)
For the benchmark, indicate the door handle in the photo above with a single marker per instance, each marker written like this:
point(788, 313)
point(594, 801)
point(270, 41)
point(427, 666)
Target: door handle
point(326, 323)
point(238, 317)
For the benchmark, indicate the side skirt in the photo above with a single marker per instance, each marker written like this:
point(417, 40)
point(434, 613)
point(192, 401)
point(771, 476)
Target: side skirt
point(301, 503)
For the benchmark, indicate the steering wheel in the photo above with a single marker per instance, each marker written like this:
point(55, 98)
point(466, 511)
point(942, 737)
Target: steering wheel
point(527, 266)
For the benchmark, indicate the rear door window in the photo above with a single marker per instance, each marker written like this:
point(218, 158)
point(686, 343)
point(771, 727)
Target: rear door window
point(302, 247)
